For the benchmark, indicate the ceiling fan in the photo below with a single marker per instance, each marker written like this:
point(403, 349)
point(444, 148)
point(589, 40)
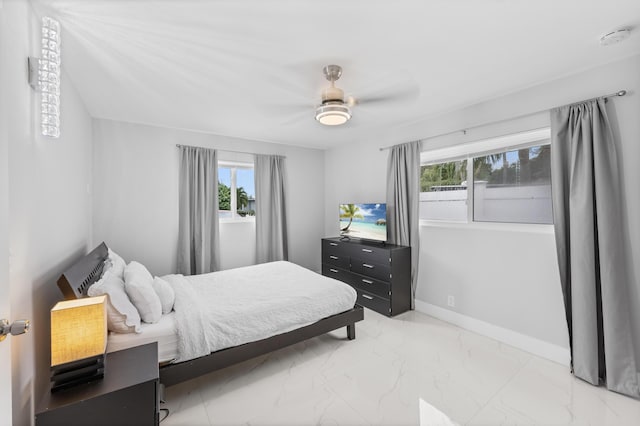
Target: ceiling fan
point(334, 110)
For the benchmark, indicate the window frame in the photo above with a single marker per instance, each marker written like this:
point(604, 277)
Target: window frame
point(472, 150)
point(234, 166)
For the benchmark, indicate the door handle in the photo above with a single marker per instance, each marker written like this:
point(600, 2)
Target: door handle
point(18, 327)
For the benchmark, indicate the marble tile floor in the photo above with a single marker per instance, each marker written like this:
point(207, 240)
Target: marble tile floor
point(408, 370)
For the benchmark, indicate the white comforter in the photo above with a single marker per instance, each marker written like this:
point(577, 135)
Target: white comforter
point(229, 308)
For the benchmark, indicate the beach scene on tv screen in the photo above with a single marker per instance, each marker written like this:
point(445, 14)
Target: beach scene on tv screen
point(365, 221)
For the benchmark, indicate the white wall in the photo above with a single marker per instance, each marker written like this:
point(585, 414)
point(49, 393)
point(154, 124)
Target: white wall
point(483, 266)
point(5, 305)
point(135, 195)
point(502, 274)
point(239, 242)
point(355, 173)
point(49, 206)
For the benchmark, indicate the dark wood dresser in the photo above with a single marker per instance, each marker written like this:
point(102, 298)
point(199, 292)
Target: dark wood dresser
point(380, 273)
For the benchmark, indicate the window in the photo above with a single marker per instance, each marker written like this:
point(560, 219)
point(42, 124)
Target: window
point(443, 191)
point(513, 186)
point(236, 191)
point(505, 179)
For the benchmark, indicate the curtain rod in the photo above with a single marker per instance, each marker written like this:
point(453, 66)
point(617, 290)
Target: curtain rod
point(228, 150)
point(611, 95)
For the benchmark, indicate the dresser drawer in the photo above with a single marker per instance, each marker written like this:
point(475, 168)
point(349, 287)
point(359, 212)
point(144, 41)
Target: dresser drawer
point(371, 253)
point(370, 285)
point(335, 247)
point(336, 258)
point(380, 271)
point(335, 272)
point(374, 302)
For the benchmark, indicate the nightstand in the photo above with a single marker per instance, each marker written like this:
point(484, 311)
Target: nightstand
point(127, 395)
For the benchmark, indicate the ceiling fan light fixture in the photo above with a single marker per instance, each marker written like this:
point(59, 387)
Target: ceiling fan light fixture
point(333, 113)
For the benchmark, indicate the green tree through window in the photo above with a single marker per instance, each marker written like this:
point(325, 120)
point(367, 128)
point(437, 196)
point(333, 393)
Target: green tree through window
point(435, 176)
point(224, 196)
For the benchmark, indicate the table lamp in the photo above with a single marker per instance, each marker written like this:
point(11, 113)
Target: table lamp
point(78, 341)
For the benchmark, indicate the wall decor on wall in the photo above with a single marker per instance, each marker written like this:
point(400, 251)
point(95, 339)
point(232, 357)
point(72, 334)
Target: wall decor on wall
point(44, 77)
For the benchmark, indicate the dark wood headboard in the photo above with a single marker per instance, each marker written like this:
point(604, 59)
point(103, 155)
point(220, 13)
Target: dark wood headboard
point(76, 280)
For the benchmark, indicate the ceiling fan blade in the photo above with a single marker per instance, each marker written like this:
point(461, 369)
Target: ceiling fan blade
point(399, 86)
point(404, 94)
point(300, 116)
point(291, 88)
point(289, 107)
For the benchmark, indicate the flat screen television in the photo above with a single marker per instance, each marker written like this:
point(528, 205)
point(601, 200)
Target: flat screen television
point(364, 221)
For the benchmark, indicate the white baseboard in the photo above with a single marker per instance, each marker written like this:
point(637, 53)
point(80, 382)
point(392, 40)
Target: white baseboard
point(530, 344)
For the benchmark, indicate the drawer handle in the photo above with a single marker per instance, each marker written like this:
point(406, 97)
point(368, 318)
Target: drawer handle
point(366, 265)
point(333, 257)
point(367, 251)
point(367, 281)
point(335, 271)
point(366, 296)
point(333, 244)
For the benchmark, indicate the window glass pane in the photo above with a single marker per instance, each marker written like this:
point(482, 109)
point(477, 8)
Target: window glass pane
point(224, 192)
point(246, 194)
point(443, 191)
point(513, 186)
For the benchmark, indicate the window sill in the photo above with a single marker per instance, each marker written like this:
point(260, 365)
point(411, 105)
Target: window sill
point(532, 228)
point(241, 220)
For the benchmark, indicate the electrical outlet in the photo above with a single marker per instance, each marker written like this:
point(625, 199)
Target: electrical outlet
point(451, 301)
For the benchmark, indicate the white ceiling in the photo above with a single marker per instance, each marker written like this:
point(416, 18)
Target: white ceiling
point(253, 68)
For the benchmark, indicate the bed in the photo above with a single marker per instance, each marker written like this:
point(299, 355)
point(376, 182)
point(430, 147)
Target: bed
point(76, 280)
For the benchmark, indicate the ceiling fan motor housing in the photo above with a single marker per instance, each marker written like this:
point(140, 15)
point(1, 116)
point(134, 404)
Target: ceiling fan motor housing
point(332, 94)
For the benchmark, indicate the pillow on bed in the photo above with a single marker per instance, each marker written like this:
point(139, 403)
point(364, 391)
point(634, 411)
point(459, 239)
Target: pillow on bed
point(122, 316)
point(138, 283)
point(115, 264)
point(165, 293)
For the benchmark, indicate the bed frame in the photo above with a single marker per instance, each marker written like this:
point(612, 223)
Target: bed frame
point(76, 280)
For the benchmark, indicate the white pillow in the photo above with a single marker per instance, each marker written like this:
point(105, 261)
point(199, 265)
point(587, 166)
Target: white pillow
point(122, 316)
point(138, 283)
point(115, 264)
point(165, 293)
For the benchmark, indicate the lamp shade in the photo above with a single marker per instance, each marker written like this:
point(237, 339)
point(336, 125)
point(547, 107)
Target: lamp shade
point(78, 329)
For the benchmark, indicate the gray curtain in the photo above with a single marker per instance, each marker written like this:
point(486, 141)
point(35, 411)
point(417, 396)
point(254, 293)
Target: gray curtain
point(198, 236)
point(271, 218)
point(403, 193)
point(589, 237)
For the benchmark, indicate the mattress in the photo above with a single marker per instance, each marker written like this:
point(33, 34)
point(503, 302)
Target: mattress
point(229, 308)
point(163, 332)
